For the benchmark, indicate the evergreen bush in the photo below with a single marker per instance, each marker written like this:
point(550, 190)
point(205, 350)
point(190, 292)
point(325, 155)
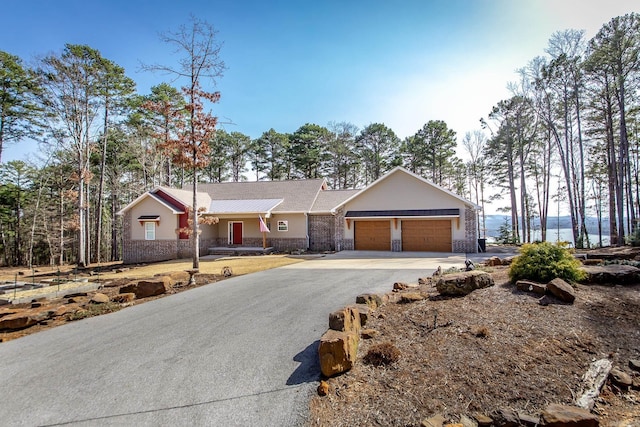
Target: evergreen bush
point(543, 262)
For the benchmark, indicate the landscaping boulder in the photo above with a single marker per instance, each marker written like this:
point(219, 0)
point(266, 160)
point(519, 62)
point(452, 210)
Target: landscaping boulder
point(99, 298)
point(463, 283)
point(634, 364)
point(533, 287)
point(556, 415)
point(400, 286)
point(367, 334)
point(435, 421)
point(494, 261)
point(411, 297)
point(506, 418)
point(345, 320)
point(337, 352)
point(364, 311)
point(561, 290)
point(508, 260)
point(23, 319)
point(63, 310)
point(372, 300)
point(620, 378)
point(123, 298)
point(614, 274)
point(148, 288)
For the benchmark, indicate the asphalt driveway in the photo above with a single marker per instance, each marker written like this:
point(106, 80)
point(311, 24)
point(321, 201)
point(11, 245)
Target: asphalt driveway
point(238, 352)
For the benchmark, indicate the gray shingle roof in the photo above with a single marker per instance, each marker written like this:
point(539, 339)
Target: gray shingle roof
point(331, 199)
point(243, 206)
point(298, 196)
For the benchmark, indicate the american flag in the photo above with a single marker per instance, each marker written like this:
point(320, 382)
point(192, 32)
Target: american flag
point(263, 226)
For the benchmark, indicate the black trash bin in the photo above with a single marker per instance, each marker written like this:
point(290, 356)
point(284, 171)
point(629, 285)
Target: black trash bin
point(482, 245)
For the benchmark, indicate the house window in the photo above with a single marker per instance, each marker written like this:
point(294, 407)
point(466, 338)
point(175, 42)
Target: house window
point(150, 231)
point(283, 225)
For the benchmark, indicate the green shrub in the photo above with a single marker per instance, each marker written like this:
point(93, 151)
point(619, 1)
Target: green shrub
point(634, 238)
point(543, 262)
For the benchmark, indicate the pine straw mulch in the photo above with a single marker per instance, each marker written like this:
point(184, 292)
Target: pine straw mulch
point(496, 348)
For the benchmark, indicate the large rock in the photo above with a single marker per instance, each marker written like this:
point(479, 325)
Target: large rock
point(345, 320)
point(561, 290)
point(463, 283)
point(26, 318)
point(614, 274)
point(621, 378)
point(410, 297)
point(493, 261)
point(506, 418)
point(372, 300)
point(148, 288)
point(99, 298)
point(529, 286)
point(16, 321)
point(568, 416)
point(123, 298)
point(364, 311)
point(337, 352)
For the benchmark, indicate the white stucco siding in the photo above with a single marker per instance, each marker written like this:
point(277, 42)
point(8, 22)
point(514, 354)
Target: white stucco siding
point(165, 230)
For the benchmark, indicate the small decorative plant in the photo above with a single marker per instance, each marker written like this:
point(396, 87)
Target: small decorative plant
point(543, 262)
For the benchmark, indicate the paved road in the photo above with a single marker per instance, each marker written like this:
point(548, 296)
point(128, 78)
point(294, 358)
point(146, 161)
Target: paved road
point(239, 352)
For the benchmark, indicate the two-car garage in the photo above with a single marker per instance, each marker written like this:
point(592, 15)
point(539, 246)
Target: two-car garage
point(402, 211)
point(421, 235)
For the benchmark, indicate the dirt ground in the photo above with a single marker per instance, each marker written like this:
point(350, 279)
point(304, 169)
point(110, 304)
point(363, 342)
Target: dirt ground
point(496, 348)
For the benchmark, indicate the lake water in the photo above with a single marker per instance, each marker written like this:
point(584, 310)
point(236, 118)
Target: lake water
point(558, 235)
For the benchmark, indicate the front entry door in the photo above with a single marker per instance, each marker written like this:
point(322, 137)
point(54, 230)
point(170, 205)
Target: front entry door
point(236, 233)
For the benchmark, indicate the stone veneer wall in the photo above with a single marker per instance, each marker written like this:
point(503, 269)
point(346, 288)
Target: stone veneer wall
point(347, 245)
point(470, 244)
point(322, 232)
point(339, 244)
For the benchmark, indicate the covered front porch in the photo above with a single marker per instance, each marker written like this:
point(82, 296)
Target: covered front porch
point(240, 250)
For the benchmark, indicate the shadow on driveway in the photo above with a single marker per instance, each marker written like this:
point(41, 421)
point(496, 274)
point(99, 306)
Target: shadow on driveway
point(309, 369)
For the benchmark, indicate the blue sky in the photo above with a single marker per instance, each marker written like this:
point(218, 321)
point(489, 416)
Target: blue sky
point(401, 63)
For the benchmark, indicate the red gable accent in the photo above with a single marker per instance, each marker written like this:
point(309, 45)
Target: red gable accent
point(170, 199)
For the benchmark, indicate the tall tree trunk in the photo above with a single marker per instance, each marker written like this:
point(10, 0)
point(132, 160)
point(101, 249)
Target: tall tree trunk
point(103, 161)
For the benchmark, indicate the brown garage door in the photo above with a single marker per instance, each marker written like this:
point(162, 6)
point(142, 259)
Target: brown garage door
point(372, 235)
point(426, 235)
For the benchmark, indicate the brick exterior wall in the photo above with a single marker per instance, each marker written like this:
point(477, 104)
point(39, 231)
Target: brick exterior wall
point(322, 230)
point(136, 251)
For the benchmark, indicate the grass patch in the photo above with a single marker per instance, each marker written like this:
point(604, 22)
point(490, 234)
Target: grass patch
point(91, 310)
